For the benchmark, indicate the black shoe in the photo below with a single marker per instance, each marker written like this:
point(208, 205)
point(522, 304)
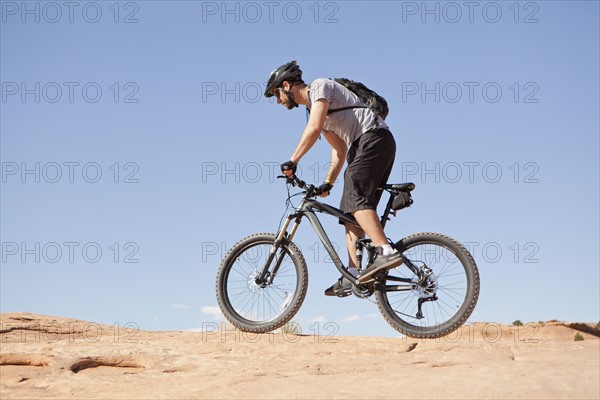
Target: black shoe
point(381, 263)
point(342, 288)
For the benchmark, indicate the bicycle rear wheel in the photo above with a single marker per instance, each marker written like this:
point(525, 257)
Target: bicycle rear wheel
point(254, 307)
point(447, 297)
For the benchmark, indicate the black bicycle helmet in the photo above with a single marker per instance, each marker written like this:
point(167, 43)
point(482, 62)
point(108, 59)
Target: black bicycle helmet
point(288, 72)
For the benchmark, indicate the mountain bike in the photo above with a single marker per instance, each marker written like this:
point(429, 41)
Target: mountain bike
point(262, 280)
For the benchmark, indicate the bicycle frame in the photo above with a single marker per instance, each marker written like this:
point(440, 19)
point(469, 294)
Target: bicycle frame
point(307, 208)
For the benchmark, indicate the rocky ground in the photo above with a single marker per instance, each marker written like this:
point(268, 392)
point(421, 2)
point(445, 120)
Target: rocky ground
point(55, 357)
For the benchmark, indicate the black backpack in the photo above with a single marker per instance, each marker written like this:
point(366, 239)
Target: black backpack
point(371, 99)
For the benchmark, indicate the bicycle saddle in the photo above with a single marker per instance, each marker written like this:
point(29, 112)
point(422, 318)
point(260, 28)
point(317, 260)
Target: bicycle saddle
point(402, 187)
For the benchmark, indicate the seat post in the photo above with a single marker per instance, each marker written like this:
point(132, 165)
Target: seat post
point(385, 216)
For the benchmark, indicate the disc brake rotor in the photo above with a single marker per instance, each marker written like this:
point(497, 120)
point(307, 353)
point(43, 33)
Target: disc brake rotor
point(427, 288)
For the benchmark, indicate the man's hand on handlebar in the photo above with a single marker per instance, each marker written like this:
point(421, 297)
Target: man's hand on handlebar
point(324, 189)
point(288, 168)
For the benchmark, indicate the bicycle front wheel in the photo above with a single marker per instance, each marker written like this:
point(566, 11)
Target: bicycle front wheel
point(261, 307)
point(439, 304)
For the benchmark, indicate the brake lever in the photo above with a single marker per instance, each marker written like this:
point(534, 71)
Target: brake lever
point(295, 181)
point(288, 180)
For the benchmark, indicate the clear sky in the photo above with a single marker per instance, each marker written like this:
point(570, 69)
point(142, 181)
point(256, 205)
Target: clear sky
point(136, 149)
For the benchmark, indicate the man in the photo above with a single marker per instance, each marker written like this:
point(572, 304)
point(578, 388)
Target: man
point(355, 133)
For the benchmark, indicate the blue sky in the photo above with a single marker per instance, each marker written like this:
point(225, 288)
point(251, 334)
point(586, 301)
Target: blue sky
point(136, 149)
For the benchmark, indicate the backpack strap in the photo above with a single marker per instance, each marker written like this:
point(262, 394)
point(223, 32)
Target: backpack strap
point(345, 108)
point(339, 109)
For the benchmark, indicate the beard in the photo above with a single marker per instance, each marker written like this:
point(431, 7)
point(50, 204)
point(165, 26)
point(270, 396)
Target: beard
point(291, 102)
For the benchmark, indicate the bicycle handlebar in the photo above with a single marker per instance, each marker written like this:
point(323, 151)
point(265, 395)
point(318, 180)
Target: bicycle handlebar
point(311, 190)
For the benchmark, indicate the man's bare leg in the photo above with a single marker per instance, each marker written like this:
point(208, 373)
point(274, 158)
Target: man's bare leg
point(369, 221)
point(353, 232)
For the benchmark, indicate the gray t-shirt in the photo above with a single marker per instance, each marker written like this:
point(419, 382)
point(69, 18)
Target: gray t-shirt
point(347, 124)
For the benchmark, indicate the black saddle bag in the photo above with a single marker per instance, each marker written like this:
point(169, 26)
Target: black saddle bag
point(402, 200)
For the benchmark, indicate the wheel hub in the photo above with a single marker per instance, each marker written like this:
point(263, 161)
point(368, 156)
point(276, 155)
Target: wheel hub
point(255, 283)
point(427, 287)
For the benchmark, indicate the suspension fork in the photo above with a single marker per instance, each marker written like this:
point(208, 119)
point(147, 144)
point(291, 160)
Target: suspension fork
point(282, 239)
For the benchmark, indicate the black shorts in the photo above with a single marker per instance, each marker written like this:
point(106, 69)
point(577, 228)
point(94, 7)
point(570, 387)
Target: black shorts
point(370, 161)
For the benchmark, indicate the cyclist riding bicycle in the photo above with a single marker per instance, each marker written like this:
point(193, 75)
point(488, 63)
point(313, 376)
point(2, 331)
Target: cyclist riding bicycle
point(356, 134)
